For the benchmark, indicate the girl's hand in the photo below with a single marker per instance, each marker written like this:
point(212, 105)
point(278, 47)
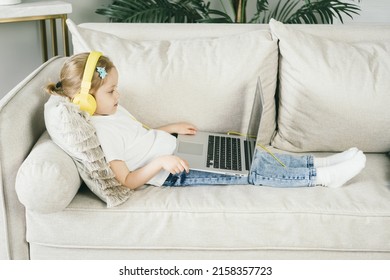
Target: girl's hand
point(180, 128)
point(139, 177)
point(185, 128)
point(173, 164)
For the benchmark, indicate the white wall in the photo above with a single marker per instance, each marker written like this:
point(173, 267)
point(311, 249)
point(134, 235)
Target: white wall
point(373, 11)
point(20, 51)
point(20, 47)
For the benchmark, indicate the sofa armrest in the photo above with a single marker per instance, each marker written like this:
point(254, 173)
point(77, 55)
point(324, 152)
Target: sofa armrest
point(21, 123)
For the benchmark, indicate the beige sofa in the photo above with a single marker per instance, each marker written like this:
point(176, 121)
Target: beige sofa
point(331, 94)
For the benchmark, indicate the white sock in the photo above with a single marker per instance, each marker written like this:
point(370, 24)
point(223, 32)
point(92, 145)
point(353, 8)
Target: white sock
point(337, 175)
point(335, 159)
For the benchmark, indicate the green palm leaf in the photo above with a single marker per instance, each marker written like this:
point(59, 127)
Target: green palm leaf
point(307, 11)
point(191, 11)
point(162, 11)
point(323, 11)
point(262, 8)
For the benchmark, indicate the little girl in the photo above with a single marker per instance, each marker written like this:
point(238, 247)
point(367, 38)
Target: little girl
point(138, 155)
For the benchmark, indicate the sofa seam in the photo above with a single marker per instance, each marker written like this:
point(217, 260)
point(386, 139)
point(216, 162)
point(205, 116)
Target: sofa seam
point(209, 248)
point(363, 215)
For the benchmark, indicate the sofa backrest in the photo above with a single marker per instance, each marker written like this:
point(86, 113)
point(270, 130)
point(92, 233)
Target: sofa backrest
point(349, 34)
point(333, 88)
point(154, 31)
point(202, 74)
point(138, 32)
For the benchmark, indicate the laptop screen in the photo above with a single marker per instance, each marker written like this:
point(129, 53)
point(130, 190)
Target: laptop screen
point(257, 112)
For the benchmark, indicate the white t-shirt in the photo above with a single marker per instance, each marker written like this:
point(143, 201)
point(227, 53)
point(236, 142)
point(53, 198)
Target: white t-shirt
point(124, 138)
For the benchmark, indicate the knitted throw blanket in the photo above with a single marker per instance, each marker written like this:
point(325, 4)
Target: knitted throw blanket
point(77, 137)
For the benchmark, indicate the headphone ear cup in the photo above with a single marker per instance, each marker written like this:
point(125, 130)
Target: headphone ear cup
point(86, 103)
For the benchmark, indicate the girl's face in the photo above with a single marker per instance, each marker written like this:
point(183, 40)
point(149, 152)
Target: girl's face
point(107, 96)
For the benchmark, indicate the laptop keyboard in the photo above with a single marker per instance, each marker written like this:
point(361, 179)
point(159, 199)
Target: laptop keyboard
point(224, 153)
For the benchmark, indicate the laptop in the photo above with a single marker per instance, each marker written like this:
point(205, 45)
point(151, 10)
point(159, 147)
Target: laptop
point(222, 153)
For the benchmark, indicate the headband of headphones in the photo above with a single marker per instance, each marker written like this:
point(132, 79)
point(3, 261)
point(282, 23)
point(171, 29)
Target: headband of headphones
point(84, 99)
point(89, 70)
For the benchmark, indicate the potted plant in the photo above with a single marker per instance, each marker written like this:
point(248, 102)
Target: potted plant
point(198, 11)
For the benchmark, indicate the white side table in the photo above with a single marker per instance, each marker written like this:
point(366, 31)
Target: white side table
point(41, 11)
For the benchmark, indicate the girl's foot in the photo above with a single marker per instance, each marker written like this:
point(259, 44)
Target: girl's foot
point(335, 159)
point(337, 175)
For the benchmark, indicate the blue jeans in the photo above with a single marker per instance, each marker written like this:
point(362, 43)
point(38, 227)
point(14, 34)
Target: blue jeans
point(265, 170)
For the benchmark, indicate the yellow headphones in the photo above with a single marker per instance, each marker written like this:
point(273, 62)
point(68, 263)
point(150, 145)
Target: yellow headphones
point(84, 99)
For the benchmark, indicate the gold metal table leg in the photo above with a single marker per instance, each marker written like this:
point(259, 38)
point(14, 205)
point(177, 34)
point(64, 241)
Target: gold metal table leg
point(45, 55)
point(42, 23)
point(65, 38)
point(53, 29)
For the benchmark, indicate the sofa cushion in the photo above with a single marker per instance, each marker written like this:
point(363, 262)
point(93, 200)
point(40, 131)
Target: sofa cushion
point(48, 180)
point(71, 130)
point(333, 94)
point(207, 81)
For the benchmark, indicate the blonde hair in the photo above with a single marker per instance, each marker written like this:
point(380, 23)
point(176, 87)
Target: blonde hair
point(72, 73)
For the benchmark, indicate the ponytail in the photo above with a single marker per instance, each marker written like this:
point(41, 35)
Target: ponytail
point(55, 89)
